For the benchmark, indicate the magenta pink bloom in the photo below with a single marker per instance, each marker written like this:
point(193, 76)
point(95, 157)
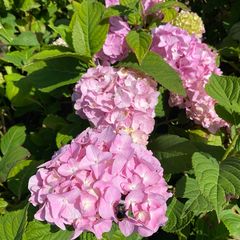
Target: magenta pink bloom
point(115, 47)
point(121, 98)
point(87, 181)
point(195, 62)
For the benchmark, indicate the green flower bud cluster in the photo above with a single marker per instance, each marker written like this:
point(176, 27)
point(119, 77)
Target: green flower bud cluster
point(190, 22)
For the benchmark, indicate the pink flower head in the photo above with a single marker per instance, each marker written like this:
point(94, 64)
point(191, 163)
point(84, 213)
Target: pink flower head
point(195, 62)
point(121, 98)
point(86, 182)
point(147, 4)
point(115, 47)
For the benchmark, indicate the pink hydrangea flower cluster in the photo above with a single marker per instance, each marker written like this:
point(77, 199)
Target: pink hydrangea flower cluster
point(195, 62)
point(115, 47)
point(99, 178)
point(121, 98)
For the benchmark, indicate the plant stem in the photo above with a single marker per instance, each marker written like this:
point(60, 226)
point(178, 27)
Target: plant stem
point(3, 122)
point(230, 147)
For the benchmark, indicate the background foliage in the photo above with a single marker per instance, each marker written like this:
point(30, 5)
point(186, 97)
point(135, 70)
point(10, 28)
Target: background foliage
point(37, 117)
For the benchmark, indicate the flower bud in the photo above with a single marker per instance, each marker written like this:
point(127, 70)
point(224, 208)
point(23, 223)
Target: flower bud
point(190, 22)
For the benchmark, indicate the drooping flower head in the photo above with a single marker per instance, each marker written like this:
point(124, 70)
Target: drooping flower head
point(120, 98)
point(86, 182)
point(190, 22)
point(195, 62)
point(115, 47)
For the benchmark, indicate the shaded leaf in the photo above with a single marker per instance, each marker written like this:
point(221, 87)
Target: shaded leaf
point(9, 160)
point(19, 175)
point(176, 221)
point(54, 73)
point(25, 39)
point(14, 137)
point(208, 228)
point(188, 188)
point(173, 152)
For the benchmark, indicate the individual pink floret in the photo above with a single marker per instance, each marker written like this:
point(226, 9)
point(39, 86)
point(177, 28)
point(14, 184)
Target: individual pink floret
point(99, 178)
point(121, 98)
point(195, 62)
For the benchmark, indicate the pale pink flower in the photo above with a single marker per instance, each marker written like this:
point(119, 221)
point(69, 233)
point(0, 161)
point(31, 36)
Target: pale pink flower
point(115, 47)
point(121, 98)
point(86, 181)
point(195, 62)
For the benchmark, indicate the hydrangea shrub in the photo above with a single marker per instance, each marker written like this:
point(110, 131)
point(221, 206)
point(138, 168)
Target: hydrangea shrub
point(133, 107)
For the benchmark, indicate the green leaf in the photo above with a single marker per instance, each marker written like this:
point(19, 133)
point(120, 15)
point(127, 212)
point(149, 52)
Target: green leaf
point(69, 131)
point(18, 58)
point(12, 224)
point(54, 73)
point(19, 175)
point(208, 228)
point(211, 184)
point(226, 90)
point(140, 43)
point(18, 90)
point(115, 234)
point(41, 231)
point(161, 108)
point(176, 220)
point(135, 18)
point(167, 4)
point(56, 52)
point(25, 39)
point(230, 176)
point(199, 135)
point(88, 31)
point(54, 121)
point(130, 3)
point(154, 66)
point(231, 219)
point(173, 152)
point(228, 115)
point(26, 5)
point(188, 188)
point(14, 137)
point(207, 173)
point(87, 236)
point(9, 160)
point(115, 11)
point(169, 14)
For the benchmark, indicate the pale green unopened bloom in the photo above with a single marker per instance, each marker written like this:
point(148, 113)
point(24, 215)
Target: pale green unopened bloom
point(190, 22)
